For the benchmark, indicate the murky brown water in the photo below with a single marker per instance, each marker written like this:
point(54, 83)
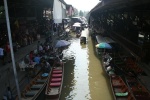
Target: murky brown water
point(84, 77)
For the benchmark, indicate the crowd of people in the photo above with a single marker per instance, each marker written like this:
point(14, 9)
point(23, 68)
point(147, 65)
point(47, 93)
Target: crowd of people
point(44, 55)
point(23, 33)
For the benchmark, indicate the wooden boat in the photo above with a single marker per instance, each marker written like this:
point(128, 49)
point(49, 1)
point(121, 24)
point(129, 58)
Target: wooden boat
point(128, 64)
point(55, 82)
point(132, 65)
point(35, 87)
point(119, 89)
point(120, 65)
point(137, 89)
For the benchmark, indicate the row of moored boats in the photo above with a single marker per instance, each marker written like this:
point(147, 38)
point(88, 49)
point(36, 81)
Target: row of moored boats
point(123, 71)
point(48, 83)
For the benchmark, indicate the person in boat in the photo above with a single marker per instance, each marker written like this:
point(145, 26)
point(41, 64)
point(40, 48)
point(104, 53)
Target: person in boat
point(58, 61)
point(60, 52)
point(37, 59)
point(107, 57)
point(46, 66)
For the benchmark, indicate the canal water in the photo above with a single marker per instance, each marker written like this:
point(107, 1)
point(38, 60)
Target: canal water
point(84, 77)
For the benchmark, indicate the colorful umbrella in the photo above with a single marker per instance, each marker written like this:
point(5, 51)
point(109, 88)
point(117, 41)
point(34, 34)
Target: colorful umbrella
point(103, 45)
point(62, 43)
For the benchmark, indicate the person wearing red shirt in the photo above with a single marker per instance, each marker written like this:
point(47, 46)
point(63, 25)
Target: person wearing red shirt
point(7, 49)
point(31, 56)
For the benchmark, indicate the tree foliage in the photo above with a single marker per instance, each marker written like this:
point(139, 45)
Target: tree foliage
point(80, 13)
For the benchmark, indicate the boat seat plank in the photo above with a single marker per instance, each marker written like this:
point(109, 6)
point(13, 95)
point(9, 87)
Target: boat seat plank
point(36, 87)
point(117, 83)
point(57, 75)
point(31, 93)
point(29, 98)
point(57, 69)
point(123, 98)
point(121, 94)
point(117, 90)
point(120, 90)
point(57, 72)
point(56, 80)
point(55, 84)
point(40, 81)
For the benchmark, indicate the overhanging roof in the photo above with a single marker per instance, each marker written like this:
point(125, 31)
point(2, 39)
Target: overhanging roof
point(27, 3)
point(117, 4)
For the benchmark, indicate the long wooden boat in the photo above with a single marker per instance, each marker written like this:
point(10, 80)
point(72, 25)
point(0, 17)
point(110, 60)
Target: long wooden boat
point(55, 82)
point(121, 66)
point(133, 65)
point(119, 89)
point(35, 87)
point(137, 89)
point(128, 66)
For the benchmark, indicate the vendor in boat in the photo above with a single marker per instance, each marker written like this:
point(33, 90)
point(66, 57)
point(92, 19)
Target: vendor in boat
point(60, 52)
point(46, 66)
point(37, 59)
point(58, 62)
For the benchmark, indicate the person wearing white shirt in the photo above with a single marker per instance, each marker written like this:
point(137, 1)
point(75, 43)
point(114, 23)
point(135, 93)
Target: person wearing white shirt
point(40, 48)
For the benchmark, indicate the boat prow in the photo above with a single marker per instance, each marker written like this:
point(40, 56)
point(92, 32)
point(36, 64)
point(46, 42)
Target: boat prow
point(119, 89)
point(35, 87)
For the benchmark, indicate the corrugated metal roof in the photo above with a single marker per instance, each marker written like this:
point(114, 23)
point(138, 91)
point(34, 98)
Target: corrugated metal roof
point(117, 4)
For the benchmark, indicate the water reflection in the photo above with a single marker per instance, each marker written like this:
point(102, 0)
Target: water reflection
point(83, 79)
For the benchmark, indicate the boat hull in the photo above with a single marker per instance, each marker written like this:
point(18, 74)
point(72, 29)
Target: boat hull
point(119, 89)
point(55, 82)
point(137, 89)
point(34, 88)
